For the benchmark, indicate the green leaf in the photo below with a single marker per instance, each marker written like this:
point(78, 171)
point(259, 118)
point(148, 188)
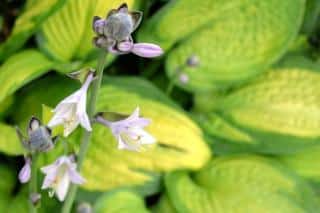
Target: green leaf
point(233, 40)
point(20, 69)
point(180, 144)
point(9, 141)
point(275, 113)
point(70, 28)
point(120, 202)
point(241, 184)
point(7, 185)
point(164, 206)
point(5, 105)
point(28, 23)
point(306, 163)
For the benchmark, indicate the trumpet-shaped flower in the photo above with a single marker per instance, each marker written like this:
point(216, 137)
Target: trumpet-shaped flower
point(25, 172)
point(59, 175)
point(129, 132)
point(71, 111)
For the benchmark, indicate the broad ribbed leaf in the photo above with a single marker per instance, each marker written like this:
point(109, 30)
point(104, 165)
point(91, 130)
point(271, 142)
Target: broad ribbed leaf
point(233, 40)
point(27, 24)
point(180, 142)
point(241, 184)
point(306, 163)
point(68, 33)
point(276, 113)
point(20, 69)
point(120, 202)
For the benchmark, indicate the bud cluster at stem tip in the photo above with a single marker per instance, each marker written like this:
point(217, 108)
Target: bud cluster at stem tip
point(114, 33)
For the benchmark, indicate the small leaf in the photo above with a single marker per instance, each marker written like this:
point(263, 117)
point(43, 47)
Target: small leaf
point(120, 201)
point(20, 69)
point(241, 184)
point(233, 40)
point(276, 113)
point(27, 23)
point(9, 141)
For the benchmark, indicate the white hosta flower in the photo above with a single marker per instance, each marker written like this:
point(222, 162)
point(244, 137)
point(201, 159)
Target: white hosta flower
point(71, 111)
point(129, 132)
point(59, 175)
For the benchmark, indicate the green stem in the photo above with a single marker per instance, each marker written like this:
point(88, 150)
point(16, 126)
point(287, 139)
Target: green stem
point(86, 134)
point(169, 88)
point(33, 182)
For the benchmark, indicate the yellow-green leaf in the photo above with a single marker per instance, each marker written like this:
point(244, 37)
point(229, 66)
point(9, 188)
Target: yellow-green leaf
point(241, 184)
point(120, 202)
point(277, 112)
point(233, 40)
point(20, 69)
point(28, 23)
point(9, 141)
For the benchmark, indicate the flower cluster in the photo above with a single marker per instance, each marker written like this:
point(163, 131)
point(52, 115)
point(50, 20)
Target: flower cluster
point(114, 33)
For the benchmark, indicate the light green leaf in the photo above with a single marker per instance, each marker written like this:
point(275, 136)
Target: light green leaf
point(28, 23)
point(120, 202)
point(241, 184)
point(7, 185)
point(71, 28)
point(306, 163)
point(234, 40)
point(5, 105)
point(277, 112)
point(180, 144)
point(9, 141)
point(164, 206)
point(20, 69)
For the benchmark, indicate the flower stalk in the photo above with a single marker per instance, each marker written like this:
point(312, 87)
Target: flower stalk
point(33, 182)
point(86, 134)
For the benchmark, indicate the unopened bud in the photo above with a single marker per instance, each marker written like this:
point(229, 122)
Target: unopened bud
point(84, 208)
point(35, 198)
point(193, 61)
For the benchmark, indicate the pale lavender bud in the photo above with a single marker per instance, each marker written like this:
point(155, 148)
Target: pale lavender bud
point(98, 25)
point(125, 46)
point(193, 61)
point(84, 208)
point(25, 172)
point(183, 78)
point(35, 198)
point(147, 50)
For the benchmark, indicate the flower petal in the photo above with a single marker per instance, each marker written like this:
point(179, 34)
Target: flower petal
point(145, 137)
point(75, 177)
point(70, 126)
point(62, 187)
point(147, 50)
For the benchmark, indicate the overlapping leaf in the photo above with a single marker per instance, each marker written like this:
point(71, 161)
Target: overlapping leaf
point(240, 184)
point(180, 143)
point(233, 40)
point(20, 69)
point(68, 33)
point(27, 24)
point(120, 201)
point(276, 113)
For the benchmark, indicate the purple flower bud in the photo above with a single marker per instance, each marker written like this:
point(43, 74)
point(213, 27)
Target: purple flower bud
point(147, 50)
point(98, 25)
point(193, 61)
point(84, 208)
point(35, 198)
point(183, 78)
point(125, 46)
point(25, 172)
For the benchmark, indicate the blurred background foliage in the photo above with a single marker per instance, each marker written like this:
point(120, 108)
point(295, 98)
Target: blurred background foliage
point(235, 103)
